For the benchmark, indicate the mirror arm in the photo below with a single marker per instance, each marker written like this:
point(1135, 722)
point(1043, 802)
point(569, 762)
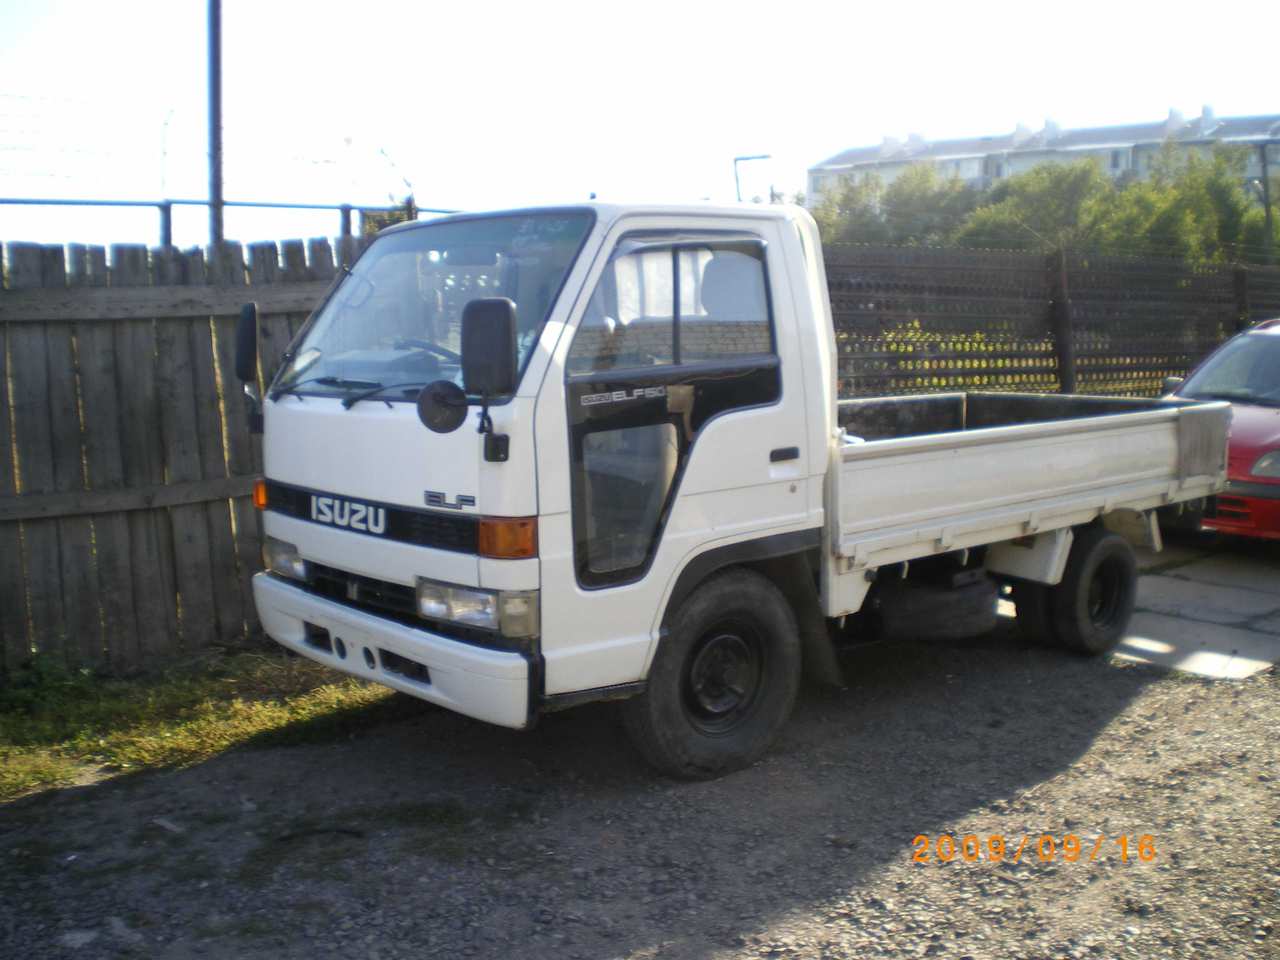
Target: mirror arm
point(255, 407)
point(497, 446)
point(486, 421)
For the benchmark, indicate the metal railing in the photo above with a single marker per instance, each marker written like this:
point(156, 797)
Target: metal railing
point(165, 208)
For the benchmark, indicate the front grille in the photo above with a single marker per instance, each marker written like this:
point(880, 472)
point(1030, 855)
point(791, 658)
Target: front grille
point(398, 602)
point(364, 592)
point(456, 532)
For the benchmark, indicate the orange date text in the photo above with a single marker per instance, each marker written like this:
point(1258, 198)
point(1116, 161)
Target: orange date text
point(1033, 848)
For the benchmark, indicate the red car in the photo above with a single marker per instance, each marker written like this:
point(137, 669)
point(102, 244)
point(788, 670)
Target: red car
point(1246, 371)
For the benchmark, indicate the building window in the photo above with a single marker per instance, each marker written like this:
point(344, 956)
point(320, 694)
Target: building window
point(1117, 159)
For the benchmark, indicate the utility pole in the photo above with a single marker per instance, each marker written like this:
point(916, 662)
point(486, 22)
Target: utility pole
point(215, 122)
point(1266, 203)
point(737, 185)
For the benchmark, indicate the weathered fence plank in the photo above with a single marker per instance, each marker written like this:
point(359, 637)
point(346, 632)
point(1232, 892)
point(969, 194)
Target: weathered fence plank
point(49, 306)
point(33, 435)
point(14, 643)
point(92, 502)
point(150, 534)
point(274, 329)
point(243, 450)
point(224, 264)
point(104, 467)
point(75, 534)
point(179, 430)
point(320, 259)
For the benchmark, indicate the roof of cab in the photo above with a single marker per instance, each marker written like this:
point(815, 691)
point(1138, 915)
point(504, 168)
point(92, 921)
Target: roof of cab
point(1271, 326)
point(609, 212)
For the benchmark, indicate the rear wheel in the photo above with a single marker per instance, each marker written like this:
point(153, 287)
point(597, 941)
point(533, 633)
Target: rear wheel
point(1089, 610)
point(1092, 606)
point(723, 681)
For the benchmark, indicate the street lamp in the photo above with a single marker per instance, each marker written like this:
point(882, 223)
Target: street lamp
point(1266, 200)
point(737, 185)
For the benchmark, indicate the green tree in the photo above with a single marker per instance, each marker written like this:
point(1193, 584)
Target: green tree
point(1204, 205)
point(1194, 206)
point(850, 211)
point(1049, 206)
point(1253, 238)
point(921, 207)
point(918, 207)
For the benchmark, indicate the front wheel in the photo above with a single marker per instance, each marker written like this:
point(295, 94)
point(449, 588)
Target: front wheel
point(723, 682)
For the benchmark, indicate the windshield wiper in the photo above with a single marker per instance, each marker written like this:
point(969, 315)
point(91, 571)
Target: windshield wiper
point(373, 391)
point(340, 382)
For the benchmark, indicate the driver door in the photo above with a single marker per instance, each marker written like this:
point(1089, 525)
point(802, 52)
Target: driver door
point(677, 432)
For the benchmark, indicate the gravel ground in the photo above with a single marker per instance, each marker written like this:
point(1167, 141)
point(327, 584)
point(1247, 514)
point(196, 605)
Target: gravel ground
point(437, 836)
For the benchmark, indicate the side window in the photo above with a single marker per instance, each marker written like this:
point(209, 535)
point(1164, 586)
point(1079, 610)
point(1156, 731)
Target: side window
point(630, 318)
point(724, 303)
point(628, 474)
point(634, 320)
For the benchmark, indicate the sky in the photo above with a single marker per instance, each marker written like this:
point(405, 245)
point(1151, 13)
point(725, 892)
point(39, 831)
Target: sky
point(482, 105)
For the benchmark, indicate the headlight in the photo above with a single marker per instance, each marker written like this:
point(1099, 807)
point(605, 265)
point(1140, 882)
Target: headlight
point(513, 613)
point(1268, 465)
point(282, 558)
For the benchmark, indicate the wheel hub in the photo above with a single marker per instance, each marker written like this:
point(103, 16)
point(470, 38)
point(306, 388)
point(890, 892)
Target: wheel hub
point(722, 680)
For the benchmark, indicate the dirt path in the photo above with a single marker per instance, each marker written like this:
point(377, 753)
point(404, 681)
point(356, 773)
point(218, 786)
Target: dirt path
point(437, 836)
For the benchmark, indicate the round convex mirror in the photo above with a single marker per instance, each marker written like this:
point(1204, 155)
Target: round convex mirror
point(442, 406)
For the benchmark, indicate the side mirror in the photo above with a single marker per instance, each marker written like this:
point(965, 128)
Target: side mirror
point(247, 344)
point(489, 347)
point(1173, 383)
point(247, 362)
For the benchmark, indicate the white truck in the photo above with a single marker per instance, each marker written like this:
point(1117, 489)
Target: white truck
point(523, 460)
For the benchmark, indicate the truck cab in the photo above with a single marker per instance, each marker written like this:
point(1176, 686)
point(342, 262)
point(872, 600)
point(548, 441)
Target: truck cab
point(674, 373)
point(523, 460)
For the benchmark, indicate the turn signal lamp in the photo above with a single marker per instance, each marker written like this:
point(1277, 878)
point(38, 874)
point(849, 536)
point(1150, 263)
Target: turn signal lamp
point(508, 538)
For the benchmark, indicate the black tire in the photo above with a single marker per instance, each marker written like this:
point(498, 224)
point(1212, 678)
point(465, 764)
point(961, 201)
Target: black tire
point(1091, 607)
point(723, 681)
point(1034, 619)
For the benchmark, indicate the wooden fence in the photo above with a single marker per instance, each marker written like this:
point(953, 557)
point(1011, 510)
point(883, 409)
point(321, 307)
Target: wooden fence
point(126, 466)
point(126, 530)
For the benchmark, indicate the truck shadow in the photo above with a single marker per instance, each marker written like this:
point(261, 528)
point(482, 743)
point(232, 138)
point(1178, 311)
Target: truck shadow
point(560, 841)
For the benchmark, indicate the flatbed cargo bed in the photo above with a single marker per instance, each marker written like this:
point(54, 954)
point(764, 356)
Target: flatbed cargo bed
point(915, 476)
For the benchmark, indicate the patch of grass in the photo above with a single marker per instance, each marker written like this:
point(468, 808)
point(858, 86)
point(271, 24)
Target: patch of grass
point(58, 726)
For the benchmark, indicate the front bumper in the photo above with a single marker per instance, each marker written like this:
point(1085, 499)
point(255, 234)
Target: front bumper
point(1246, 509)
point(490, 685)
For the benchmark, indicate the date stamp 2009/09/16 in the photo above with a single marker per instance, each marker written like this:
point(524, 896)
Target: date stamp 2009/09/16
point(1045, 848)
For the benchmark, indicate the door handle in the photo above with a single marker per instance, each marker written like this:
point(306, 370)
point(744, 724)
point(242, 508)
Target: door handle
point(784, 453)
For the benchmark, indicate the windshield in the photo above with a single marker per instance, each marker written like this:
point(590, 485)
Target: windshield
point(396, 320)
point(1246, 370)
